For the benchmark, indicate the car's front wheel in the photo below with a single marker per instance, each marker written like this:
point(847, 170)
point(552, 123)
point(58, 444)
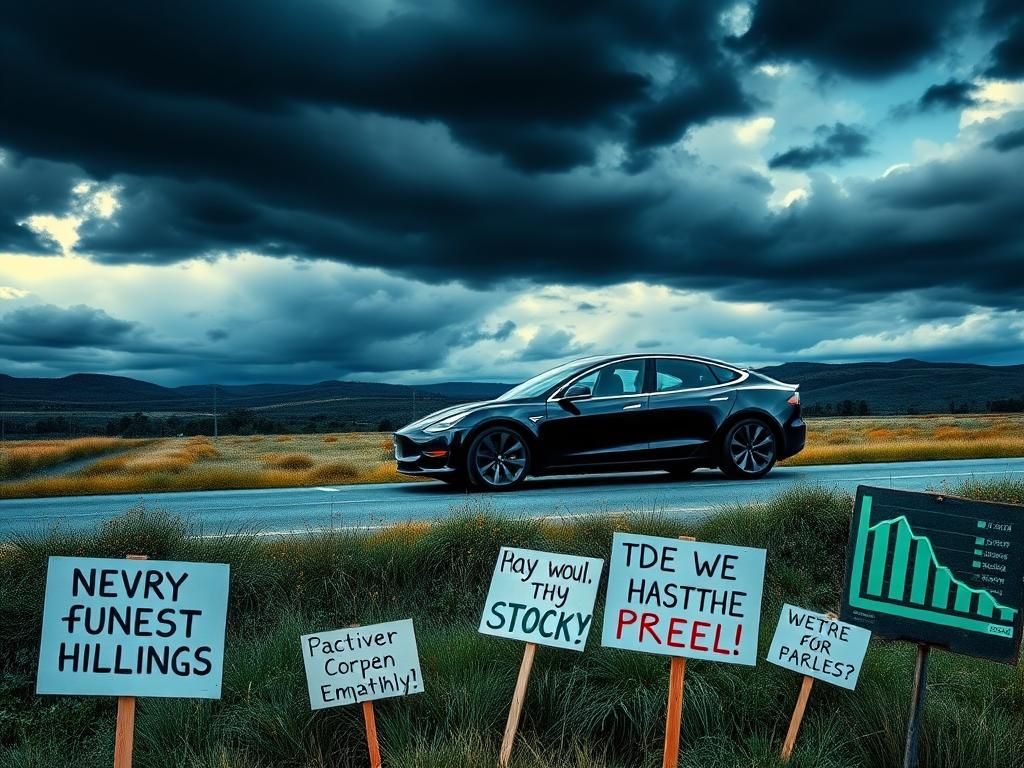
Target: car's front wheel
point(498, 459)
point(749, 450)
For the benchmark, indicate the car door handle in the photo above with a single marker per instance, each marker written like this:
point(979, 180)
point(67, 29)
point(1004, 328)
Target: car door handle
point(716, 399)
point(632, 406)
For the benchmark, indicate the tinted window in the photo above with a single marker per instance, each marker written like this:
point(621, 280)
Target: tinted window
point(625, 378)
point(724, 375)
point(674, 374)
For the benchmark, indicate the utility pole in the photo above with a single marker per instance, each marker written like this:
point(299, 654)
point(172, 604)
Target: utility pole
point(214, 411)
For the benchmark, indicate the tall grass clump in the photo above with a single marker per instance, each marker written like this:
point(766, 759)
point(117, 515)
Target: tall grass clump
point(603, 707)
point(19, 458)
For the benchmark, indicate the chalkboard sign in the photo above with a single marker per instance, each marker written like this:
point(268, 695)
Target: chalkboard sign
point(938, 570)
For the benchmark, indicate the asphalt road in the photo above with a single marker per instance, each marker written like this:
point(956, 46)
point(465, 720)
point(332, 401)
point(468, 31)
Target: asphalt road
point(296, 510)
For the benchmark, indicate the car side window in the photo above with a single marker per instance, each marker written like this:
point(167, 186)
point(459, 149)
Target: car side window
point(724, 375)
point(623, 378)
point(672, 374)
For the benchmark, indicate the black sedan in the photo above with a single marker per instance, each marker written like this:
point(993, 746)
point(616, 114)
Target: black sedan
point(611, 413)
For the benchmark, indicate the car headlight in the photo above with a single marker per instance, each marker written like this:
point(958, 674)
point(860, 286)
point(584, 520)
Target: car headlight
point(446, 423)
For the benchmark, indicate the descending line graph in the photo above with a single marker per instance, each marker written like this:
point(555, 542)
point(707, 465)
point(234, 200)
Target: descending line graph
point(899, 571)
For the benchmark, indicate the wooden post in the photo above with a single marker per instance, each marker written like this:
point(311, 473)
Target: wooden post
point(798, 716)
point(371, 734)
point(674, 713)
point(124, 733)
point(518, 697)
point(916, 706)
point(798, 710)
point(370, 718)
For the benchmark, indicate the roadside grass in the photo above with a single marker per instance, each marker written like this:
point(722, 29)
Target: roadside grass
point(18, 458)
point(200, 463)
point(600, 708)
point(278, 461)
point(857, 440)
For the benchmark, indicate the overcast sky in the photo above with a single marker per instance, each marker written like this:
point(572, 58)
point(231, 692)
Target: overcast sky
point(470, 189)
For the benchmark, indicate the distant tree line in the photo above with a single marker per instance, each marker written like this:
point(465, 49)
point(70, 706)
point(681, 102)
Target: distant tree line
point(232, 422)
point(1009, 405)
point(838, 408)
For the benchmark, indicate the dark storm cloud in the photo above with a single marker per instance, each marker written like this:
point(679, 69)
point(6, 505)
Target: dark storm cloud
point(552, 344)
point(217, 334)
point(50, 326)
point(538, 87)
point(952, 94)
point(868, 39)
point(453, 144)
point(1009, 141)
point(1007, 18)
point(835, 144)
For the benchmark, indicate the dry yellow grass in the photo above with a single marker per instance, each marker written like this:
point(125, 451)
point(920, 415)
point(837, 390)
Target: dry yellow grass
point(22, 457)
point(199, 463)
point(911, 438)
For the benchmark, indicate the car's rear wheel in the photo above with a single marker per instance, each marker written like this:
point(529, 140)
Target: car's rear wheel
point(749, 450)
point(498, 459)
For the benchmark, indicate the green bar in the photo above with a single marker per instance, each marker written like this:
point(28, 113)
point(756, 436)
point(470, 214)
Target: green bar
point(981, 523)
point(922, 567)
point(979, 552)
point(879, 547)
point(940, 594)
point(900, 563)
point(963, 600)
point(975, 564)
point(1006, 614)
point(979, 541)
point(986, 604)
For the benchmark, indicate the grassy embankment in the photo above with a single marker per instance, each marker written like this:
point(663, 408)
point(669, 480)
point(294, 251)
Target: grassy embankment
point(199, 463)
point(602, 708)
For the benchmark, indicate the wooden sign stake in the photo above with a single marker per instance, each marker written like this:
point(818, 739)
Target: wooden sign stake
point(798, 716)
point(798, 710)
point(916, 706)
point(124, 733)
point(371, 734)
point(370, 718)
point(674, 714)
point(518, 697)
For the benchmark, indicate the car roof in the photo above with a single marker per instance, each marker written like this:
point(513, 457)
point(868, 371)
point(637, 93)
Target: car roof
point(596, 359)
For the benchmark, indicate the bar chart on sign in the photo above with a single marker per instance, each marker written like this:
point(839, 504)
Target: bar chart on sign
point(942, 562)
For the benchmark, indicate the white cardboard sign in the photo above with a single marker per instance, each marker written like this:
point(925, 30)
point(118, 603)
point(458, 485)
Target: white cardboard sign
point(815, 645)
point(684, 598)
point(542, 597)
point(116, 627)
point(347, 666)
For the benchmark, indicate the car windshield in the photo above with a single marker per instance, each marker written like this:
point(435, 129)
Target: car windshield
point(542, 382)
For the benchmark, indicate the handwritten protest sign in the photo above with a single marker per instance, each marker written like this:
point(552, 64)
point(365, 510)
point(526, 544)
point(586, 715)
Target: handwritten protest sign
point(347, 666)
point(133, 628)
point(542, 597)
point(815, 645)
point(684, 598)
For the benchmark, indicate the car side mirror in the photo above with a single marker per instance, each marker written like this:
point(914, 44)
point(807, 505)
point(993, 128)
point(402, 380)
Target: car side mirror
point(577, 392)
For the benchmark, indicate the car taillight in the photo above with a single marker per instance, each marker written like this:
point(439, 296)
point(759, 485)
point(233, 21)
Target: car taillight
point(794, 399)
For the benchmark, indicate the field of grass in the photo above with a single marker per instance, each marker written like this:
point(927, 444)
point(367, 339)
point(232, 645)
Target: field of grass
point(22, 457)
point(267, 461)
point(201, 463)
point(857, 440)
point(603, 708)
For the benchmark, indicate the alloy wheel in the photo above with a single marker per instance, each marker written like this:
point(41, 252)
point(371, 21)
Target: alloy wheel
point(752, 448)
point(499, 458)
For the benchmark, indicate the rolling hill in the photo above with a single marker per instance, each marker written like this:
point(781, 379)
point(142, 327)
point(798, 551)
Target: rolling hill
point(89, 403)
